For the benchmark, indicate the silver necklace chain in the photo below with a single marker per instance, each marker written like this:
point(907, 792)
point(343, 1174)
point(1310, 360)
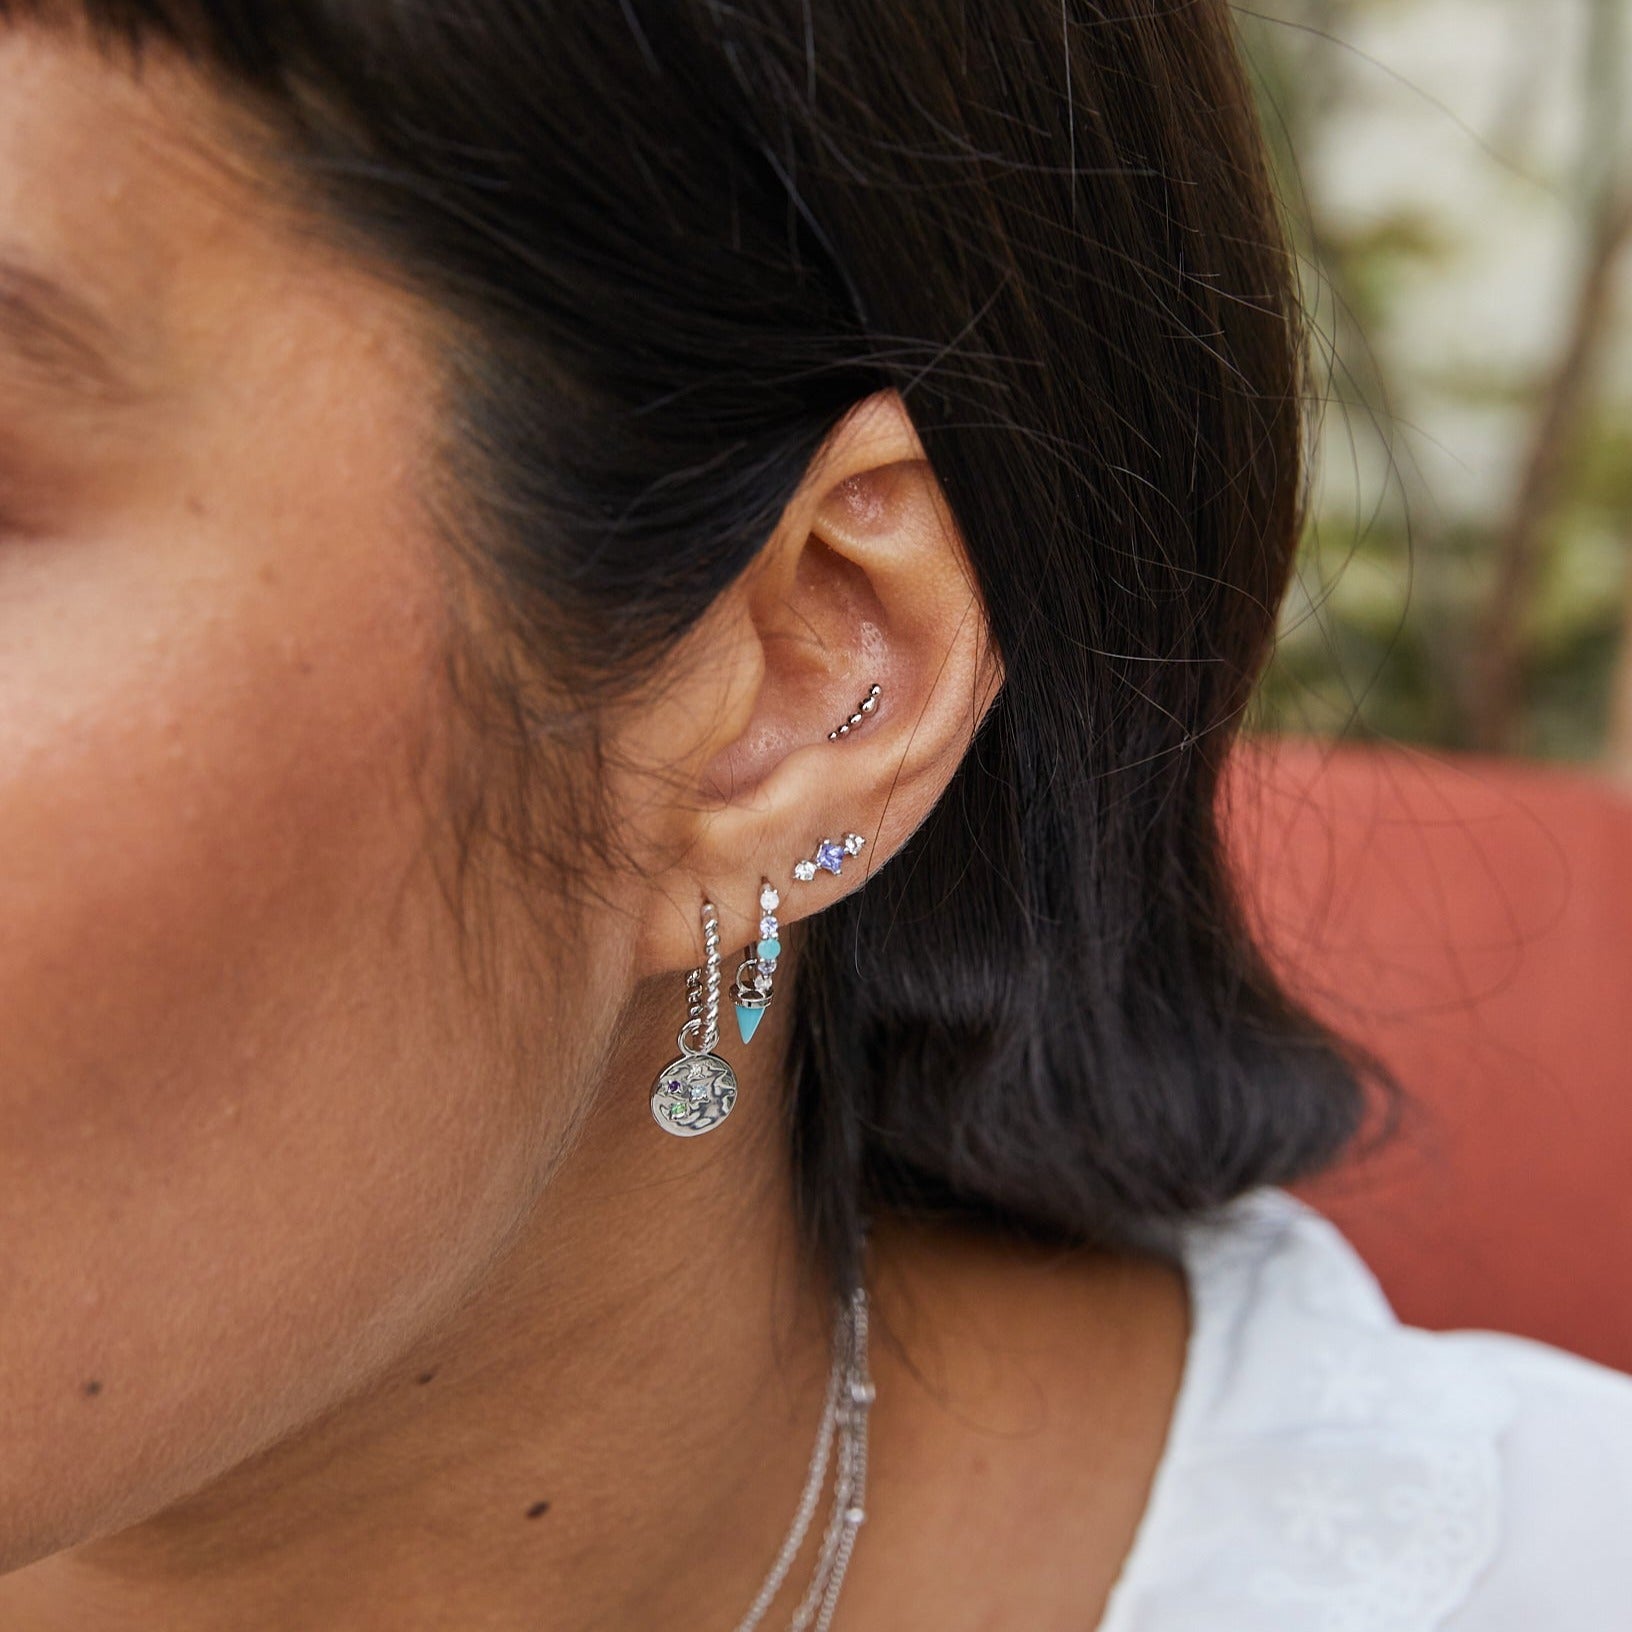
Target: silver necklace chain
point(849, 1399)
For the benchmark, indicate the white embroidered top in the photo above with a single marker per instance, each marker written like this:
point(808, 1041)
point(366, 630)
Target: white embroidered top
point(1328, 1469)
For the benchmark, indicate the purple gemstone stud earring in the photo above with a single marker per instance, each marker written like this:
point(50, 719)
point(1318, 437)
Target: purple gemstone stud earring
point(829, 857)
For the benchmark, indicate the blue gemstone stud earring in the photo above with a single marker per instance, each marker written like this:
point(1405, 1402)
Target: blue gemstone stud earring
point(752, 991)
point(829, 857)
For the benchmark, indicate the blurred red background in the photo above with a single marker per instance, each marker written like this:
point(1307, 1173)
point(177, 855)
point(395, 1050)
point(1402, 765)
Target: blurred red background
point(1470, 918)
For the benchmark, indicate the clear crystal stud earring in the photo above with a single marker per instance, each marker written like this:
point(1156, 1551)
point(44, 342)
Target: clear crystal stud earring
point(751, 992)
point(829, 857)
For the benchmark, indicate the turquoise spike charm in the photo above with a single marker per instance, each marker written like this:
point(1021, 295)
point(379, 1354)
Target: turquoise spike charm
point(752, 992)
point(748, 1019)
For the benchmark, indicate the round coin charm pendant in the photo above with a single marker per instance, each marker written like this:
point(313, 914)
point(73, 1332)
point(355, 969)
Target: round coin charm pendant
point(694, 1094)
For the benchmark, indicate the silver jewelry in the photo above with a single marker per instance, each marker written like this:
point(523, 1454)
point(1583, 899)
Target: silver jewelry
point(866, 706)
point(850, 1396)
point(829, 857)
point(751, 991)
point(694, 1093)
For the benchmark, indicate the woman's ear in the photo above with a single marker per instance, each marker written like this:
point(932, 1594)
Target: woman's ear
point(864, 582)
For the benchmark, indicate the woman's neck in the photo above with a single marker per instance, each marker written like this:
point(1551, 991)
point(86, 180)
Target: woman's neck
point(614, 1429)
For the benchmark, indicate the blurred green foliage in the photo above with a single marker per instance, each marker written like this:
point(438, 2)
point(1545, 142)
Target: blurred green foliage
point(1458, 187)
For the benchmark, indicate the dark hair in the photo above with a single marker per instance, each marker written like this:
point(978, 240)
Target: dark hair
point(676, 240)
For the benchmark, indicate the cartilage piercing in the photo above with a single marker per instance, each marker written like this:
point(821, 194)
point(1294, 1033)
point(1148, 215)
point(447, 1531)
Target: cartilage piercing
point(866, 706)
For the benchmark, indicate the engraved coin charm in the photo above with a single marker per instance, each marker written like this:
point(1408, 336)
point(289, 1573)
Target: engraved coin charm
point(694, 1094)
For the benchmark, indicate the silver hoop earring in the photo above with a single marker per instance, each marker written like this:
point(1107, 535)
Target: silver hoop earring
point(694, 1093)
point(751, 991)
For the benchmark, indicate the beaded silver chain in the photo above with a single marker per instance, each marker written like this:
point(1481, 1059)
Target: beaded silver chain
point(849, 1398)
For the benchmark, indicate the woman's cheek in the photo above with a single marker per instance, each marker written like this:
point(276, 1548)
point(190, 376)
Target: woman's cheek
point(225, 1041)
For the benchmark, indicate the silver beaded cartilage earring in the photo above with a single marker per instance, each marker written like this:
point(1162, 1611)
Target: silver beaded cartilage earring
point(751, 991)
point(695, 1092)
point(829, 857)
point(866, 706)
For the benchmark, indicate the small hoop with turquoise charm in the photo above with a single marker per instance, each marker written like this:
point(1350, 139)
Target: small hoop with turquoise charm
point(751, 991)
point(694, 1093)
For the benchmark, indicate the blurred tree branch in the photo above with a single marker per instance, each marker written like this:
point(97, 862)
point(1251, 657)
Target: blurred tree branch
point(1494, 706)
point(1618, 748)
point(1515, 604)
point(1495, 699)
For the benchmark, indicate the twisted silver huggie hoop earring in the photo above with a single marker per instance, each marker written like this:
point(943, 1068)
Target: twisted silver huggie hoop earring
point(694, 1093)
